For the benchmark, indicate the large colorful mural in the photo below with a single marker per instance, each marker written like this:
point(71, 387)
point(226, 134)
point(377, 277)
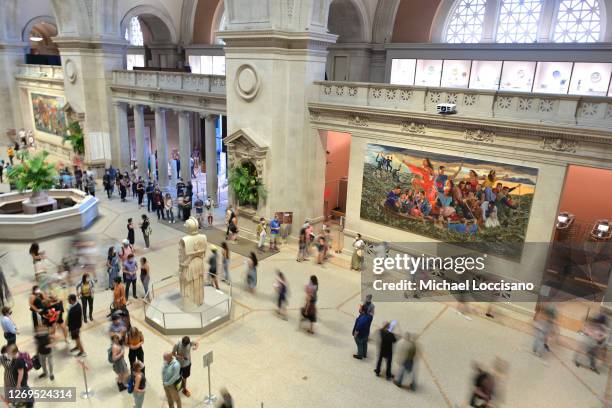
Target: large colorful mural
point(449, 198)
point(48, 114)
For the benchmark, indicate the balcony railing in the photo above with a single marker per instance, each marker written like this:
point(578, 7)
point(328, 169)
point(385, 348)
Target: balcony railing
point(40, 71)
point(170, 81)
point(589, 111)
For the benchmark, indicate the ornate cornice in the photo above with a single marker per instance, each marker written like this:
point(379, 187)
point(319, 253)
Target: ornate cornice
point(559, 145)
point(495, 126)
point(413, 127)
point(478, 135)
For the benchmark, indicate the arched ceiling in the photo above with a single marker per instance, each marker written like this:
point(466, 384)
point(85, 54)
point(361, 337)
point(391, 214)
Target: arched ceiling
point(414, 20)
point(203, 25)
point(347, 22)
point(157, 21)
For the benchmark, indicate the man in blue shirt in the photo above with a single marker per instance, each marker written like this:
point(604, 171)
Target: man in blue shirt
point(171, 376)
point(361, 332)
point(274, 232)
point(393, 196)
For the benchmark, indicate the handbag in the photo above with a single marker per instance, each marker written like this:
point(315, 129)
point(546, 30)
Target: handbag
point(36, 362)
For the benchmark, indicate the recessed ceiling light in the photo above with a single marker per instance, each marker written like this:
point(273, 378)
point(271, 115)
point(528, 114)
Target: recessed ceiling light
point(36, 39)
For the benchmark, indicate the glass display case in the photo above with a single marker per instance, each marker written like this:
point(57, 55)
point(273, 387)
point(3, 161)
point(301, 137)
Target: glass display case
point(402, 71)
point(517, 76)
point(590, 78)
point(552, 77)
point(428, 72)
point(485, 75)
point(456, 73)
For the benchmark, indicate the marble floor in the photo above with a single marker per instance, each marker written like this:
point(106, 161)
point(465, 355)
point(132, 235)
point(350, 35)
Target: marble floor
point(266, 361)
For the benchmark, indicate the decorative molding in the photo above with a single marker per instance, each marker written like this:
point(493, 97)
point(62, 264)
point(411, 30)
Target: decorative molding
point(203, 101)
point(315, 116)
point(70, 70)
point(479, 135)
point(359, 121)
point(412, 127)
point(559, 145)
point(247, 82)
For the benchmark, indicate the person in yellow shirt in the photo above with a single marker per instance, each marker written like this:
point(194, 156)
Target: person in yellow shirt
point(489, 182)
point(11, 154)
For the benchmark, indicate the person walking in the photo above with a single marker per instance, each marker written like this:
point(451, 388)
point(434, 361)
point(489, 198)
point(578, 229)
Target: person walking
point(280, 286)
point(407, 365)
point(361, 333)
point(44, 349)
point(36, 305)
point(140, 192)
point(226, 260)
point(11, 154)
point(85, 291)
point(158, 203)
point(113, 266)
point(145, 276)
point(302, 255)
point(387, 340)
point(123, 185)
point(145, 227)
point(309, 311)
point(8, 326)
point(149, 189)
point(129, 273)
point(168, 206)
point(209, 205)
point(212, 267)
point(274, 233)
point(116, 357)
point(75, 321)
point(140, 383)
point(261, 235)
point(226, 399)
point(135, 340)
point(358, 253)
point(251, 278)
point(182, 351)
point(119, 300)
point(171, 380)
point(131, 236)
point(91, 186)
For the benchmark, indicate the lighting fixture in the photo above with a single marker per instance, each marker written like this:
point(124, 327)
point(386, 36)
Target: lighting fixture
point(36, 38)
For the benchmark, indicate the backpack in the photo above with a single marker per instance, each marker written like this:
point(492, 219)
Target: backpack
point(130, 384)
point(27, 360)
point(110, 354)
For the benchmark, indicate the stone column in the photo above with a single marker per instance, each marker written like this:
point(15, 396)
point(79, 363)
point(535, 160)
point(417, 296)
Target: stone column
point(185, 144)
point(141, 158)
point(121, 142)
point(161, 139)
point(210, 141)
point(289, 43)
point(11, 54)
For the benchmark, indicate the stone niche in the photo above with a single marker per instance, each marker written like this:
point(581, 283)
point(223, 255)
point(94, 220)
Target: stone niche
point(244, 146)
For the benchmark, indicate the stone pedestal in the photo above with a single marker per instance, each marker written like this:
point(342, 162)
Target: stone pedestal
point(39, 203)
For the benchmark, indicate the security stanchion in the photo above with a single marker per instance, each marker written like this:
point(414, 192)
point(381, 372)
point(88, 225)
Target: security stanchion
point(87, 393)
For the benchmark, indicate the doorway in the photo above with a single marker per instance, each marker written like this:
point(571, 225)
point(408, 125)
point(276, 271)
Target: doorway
point(580, 263)
point(340, 68)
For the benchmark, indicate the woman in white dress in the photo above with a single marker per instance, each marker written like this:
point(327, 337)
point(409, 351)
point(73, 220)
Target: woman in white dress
point(358, 253)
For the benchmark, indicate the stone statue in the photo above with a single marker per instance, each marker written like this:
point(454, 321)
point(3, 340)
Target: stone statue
point(191, 263)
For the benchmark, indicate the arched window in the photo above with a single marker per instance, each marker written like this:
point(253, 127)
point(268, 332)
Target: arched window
point(466, 22)
point(133, 33)
point(578, 21)
point(518, 21)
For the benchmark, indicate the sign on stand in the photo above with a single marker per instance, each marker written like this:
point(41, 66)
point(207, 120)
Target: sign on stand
point(207, 360)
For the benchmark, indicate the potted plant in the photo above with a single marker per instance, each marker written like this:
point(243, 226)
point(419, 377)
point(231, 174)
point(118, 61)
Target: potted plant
point(74, 135)
point(246, 186)
point(36, 174)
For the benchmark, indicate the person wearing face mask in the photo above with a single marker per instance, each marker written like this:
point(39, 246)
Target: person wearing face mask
point(15, 371)
point(36, 305)
point(85, 290)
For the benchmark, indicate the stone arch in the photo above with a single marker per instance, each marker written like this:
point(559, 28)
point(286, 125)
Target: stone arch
point(384, 20)
point(341, 21)
point(158, 22)
point(25, 33)
point(219, 18)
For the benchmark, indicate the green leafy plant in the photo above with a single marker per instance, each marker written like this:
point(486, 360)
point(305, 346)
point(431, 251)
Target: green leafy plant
point(33, 172)
point(74, 135)
point(245, 184)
